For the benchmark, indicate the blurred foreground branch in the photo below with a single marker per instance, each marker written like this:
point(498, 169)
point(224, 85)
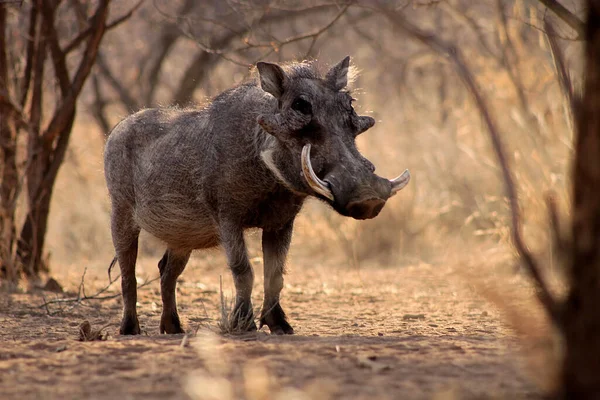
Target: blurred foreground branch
point(567, 16)
point(454, 54)
point(564, 78)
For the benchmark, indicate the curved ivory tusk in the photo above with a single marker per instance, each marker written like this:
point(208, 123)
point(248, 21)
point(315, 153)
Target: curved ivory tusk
point(312, 179)
point(399, 182)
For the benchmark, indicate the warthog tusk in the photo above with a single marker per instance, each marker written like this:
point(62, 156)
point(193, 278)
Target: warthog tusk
point(399, 182)
point(312, 179)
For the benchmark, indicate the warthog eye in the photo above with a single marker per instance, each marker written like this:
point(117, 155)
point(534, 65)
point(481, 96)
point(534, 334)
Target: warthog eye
point(302, 106)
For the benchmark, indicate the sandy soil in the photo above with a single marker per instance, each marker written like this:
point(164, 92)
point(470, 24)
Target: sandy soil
point(390, 333)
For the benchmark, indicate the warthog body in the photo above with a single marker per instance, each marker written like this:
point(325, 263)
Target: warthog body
point(198, 178)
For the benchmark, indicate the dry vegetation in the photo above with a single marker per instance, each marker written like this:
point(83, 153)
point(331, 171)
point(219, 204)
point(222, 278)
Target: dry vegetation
point(435, 274)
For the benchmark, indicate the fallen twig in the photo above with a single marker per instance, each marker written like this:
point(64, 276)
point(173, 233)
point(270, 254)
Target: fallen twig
point(82, 296)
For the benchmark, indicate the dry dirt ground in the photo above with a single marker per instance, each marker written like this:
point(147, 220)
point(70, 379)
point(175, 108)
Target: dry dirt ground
point(392, 333)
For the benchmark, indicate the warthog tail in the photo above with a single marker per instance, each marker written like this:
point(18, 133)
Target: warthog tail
point(110, 267)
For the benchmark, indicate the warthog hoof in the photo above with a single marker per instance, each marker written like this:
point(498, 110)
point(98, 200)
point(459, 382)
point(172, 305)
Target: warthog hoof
point(130, 326)
point(169, 323)
point(276, 320)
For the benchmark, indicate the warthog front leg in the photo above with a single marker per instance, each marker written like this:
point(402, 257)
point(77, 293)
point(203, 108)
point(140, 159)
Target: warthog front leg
point(125, 238)
point(232, 239)
point(275, 246)
point(171, 266)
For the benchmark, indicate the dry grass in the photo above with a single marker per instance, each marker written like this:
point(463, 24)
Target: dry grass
point(232, 322)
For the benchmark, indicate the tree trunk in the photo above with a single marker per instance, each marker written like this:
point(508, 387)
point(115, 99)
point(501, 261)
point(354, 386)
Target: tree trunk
point(46, 145)
point(581, 368)
point(32, 238)
point(8, 167)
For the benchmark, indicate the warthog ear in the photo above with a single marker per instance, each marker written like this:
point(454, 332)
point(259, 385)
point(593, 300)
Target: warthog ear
point(271, 78)
point(337, 77)
point(364, 123)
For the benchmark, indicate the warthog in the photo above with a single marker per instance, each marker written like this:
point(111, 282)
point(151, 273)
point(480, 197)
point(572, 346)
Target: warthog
point(198, 178)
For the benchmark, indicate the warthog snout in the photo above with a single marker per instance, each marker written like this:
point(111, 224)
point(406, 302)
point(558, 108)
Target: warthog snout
point(354, 190)
point(365, 209)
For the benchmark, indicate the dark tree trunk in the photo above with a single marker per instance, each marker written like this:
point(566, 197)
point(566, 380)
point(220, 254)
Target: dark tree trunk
point(581, 368)
point(33, 234)
point(23, 254)
point(8, 166)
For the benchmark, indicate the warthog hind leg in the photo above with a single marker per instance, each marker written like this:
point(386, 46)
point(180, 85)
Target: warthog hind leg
point(125, 238)
point(171, 266)
point(275, 247)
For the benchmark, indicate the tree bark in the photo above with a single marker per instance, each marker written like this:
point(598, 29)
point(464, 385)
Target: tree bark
point(47, 148)
point(8, 165)
point(581, 368)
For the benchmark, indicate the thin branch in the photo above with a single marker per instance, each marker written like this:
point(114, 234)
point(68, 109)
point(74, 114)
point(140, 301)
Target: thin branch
point(277, 44)
point(35, 111)
point(64, 114)
point(445, 49)
point(82, 297)
point(509, 59)
point(99, 106)
point(561, 243)
point(124, 94)
point(33, 18)
point(87, 32)
point(562, 72)
point(59, 60)
point(168, 37)
point(462, 17)
point(567, 16)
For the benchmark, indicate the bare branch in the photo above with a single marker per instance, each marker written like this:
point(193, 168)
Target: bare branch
point(64, 114)
point(124, 94)
point(33, 26)
point(35, 111)
point(197, 71)
point(445, 49)
point(82, 297)
point(99, 106)
point(561, 243)
point(509, 59)
point(168, 38)
point(564, 78)
point(277, 44)
point(462, 17)
point(210, 54)
point(58, 56)
point(87, 32)
point(567, 16)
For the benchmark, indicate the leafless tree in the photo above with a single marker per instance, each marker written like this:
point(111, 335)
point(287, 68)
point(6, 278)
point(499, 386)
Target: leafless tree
point(33, 134)
point(576, 318)
point(236, 32)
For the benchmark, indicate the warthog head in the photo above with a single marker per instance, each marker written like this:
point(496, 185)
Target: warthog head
point(316, 123)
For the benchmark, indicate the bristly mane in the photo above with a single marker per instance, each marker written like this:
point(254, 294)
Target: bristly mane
point(307, 69)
